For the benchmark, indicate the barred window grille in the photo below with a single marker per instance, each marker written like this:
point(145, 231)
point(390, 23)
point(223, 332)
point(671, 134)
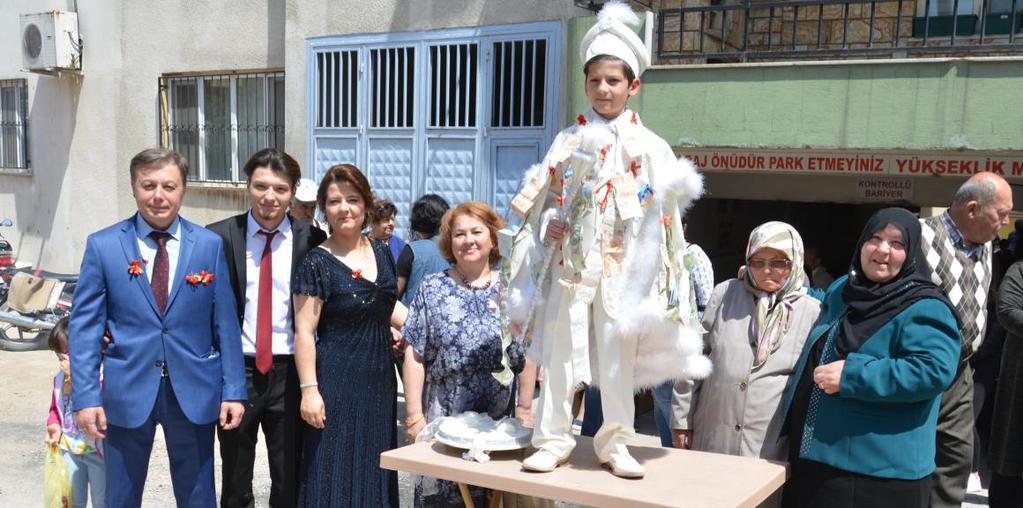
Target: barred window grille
point(392, 72)
point(218, 120)
point(519, 73)
point(13, 124)
point(453, 69)
point(337, 89)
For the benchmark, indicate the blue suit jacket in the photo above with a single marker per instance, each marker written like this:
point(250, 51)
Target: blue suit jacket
point(882, 420)
point(199, 337)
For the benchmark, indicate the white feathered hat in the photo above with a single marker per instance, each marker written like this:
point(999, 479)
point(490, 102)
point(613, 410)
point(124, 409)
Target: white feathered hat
point(612, 36)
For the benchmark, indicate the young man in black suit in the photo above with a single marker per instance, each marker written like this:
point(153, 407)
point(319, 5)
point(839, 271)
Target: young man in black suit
point(263, 246)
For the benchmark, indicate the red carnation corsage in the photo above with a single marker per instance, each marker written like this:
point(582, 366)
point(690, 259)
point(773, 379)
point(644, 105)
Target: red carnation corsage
point(357, 274)
point(135, 267)
point(203, 277)
point(581, 119)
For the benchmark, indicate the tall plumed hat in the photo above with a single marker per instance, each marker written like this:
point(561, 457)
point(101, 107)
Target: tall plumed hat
point(612, 36)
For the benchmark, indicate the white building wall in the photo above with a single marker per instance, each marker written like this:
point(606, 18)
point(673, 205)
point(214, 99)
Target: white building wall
point(318, 18)
point(83, 130)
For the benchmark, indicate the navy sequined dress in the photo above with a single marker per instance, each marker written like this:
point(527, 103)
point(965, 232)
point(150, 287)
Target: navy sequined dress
point(341, 464)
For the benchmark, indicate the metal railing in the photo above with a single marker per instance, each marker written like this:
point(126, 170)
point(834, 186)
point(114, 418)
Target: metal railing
point(835, 29)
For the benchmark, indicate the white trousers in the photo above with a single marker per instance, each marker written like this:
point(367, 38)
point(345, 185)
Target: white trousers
point(561, 361)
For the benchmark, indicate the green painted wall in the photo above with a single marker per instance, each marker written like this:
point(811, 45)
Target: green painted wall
point(962, 104)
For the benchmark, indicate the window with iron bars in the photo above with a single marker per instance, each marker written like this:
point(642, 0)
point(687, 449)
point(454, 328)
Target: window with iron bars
point(218, 120)
point(14, 125)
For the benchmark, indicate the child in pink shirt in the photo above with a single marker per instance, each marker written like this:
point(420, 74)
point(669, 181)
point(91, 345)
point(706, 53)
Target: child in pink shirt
point(82, 453)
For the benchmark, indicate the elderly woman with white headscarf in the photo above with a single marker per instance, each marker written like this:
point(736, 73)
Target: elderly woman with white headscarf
point(756, 326)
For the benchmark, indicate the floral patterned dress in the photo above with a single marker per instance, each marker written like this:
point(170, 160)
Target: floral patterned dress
point(457, 331)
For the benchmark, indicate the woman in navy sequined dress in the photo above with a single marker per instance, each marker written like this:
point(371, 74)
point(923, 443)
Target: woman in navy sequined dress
point(345, 297)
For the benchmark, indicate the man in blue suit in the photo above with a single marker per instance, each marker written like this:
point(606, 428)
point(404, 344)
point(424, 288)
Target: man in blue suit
point(160, 286)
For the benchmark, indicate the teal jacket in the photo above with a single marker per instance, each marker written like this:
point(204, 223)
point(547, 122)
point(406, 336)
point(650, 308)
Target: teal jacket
point(882, 420)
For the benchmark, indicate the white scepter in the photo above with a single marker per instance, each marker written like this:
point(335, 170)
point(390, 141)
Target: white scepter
point(582, 164)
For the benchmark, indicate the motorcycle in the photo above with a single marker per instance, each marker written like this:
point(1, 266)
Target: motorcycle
point(32, 301)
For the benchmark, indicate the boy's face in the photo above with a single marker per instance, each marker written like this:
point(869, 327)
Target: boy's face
point(608, 89)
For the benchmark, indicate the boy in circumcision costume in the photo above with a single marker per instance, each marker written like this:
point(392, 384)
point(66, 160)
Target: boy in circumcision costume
point(597, 274)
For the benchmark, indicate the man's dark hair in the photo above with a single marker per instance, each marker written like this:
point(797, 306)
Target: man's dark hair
point(57, 339)
point(155, 158)
point(275, 160)
point(427, 213)
point(629, 74)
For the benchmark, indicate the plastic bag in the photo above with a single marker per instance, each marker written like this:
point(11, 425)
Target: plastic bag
point(56, 482)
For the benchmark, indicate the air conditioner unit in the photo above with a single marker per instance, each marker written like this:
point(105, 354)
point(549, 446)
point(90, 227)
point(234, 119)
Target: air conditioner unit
point(50, 42)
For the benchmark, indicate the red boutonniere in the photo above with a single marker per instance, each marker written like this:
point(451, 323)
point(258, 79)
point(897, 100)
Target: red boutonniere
point(634, 169)
point(552, 170)
point(135, 267)
point(666, 220)
point(356, 274)
point(634, 119)
point(603, 154)
point(202, 277)
point(581, 119)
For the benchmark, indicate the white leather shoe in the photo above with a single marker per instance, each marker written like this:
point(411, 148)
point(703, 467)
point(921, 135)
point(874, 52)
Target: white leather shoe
point(543, 461)
point(622, 464)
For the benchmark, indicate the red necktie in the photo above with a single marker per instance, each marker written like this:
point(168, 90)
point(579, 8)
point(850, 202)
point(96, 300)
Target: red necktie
point(161, 268)
point(264, 312)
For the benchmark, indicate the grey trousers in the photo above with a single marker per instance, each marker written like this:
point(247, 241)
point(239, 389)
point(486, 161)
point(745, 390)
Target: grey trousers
point(954, 455)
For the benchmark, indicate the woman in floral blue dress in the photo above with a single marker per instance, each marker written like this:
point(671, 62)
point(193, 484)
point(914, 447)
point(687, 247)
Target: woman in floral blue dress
point(455, 360)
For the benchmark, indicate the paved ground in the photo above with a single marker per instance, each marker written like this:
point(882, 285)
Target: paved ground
point(25, 399)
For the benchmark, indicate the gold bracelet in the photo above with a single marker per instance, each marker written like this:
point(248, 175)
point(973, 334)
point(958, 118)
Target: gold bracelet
point(412, 421)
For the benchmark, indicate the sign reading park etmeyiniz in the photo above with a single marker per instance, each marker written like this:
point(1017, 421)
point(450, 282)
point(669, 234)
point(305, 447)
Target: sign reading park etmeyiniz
point(857, 162)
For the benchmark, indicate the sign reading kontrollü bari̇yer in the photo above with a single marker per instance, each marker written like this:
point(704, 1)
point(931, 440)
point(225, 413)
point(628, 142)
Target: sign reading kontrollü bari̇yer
point(857, 162)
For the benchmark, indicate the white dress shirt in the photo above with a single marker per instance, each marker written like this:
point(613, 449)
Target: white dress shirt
point(147, 247)
point(282, 332)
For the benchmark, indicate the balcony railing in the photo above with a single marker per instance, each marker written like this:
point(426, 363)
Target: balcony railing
point(836, 29)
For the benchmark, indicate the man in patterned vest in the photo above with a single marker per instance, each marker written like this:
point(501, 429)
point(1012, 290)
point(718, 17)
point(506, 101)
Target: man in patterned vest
point(958, 249)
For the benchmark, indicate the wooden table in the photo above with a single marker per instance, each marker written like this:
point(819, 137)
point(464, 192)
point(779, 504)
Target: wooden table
point(673, 477)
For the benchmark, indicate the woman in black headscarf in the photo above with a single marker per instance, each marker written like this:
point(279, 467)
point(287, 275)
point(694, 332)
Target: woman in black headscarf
point(862, 405)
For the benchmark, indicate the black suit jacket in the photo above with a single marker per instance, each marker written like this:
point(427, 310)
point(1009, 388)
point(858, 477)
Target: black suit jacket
point(232, 231)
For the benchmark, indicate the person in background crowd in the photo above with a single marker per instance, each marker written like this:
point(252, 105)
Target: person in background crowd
point(861, 406)
point(346, 301)
point(819, 276)
point(756, 326)
point(1017, 231)
point(455, 360)
point(271, 245)
point(384, 214)
point(303, 206)
point(175, 355)
point(82, 453)
point(1005, 451)
point(957, 248)
point(985, 364)
point(421, 256)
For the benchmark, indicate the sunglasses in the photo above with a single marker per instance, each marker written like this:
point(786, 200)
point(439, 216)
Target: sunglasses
point(774, 264)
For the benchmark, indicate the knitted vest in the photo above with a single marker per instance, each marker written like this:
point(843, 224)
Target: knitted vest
point(964, 279)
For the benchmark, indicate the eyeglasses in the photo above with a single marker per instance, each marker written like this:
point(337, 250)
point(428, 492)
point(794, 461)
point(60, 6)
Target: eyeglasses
point(774, 264)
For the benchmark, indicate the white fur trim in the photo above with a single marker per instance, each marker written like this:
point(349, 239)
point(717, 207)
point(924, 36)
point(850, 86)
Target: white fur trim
point(682, 183)
point(617, 10)
point(672, 352)
point(594, 137)
point(530, 174)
